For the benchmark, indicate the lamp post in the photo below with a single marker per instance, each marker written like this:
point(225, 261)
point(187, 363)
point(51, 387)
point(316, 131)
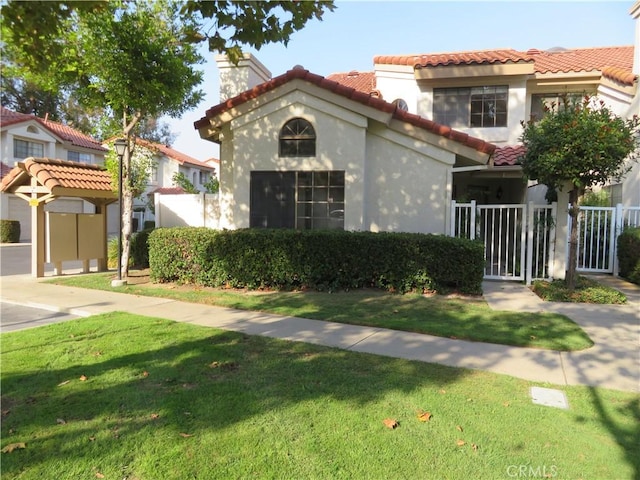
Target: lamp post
point(120, 145)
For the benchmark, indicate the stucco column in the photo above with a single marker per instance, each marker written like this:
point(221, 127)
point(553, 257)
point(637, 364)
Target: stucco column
point(38, 238)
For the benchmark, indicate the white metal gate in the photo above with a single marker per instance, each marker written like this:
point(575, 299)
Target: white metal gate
point(518, 239)
point(598, 230)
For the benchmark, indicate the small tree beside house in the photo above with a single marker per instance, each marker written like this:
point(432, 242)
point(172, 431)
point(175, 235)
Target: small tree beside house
point(578, 145)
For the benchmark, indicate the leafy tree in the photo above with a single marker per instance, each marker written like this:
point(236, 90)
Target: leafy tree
point(179, 179)
point(578, 145)
point(137, 59)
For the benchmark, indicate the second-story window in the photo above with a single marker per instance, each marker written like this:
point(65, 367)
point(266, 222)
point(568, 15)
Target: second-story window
point(25, 149)
point(79, 157)
point(297, 139)
point(541, 104)
point(471, 106)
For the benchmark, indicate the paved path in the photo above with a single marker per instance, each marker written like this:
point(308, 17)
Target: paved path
point(614, 361)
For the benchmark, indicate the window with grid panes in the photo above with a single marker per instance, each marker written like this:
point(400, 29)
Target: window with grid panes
point(302, 200)
point(25, 149)
point(471, 106)
point(78, 156)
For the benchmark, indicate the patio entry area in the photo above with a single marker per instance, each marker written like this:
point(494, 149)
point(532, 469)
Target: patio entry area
point(521, 241)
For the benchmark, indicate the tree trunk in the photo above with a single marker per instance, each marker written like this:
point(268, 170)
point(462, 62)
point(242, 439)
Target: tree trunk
point(574, 210)
point(127, 212)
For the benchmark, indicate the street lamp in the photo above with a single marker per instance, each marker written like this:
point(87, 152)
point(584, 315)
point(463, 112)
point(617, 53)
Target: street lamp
point(120, 145)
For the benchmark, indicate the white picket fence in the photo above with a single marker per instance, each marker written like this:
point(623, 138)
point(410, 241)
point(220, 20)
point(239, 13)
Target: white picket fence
point(598, 231)
point(519, 240)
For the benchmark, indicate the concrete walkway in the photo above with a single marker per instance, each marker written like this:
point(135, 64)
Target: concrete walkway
point(614, 361)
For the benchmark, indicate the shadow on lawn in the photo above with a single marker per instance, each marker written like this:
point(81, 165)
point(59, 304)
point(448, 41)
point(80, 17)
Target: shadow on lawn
point(193, 386)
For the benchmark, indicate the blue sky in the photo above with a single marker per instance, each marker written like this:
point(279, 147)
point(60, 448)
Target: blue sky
point(349, 37)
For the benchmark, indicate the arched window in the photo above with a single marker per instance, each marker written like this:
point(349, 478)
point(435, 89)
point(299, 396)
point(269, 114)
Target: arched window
point(32, 129)
point(297, 139)
point(401, 104)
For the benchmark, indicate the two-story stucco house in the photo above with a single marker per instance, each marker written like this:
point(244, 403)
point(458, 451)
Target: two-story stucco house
point(23, 136)
point(167, 163)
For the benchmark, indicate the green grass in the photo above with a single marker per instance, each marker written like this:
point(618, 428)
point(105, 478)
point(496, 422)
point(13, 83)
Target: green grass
point(586, 291)
point(468, 318)
point(119, 396)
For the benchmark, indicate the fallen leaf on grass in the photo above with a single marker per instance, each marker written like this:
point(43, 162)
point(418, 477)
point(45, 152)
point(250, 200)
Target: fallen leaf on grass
point(60, 421)
point(390, 423)
point(13, 446)
point(92, 439)
point(442, 392)
point(459, 428)
point(506, 404)
point(461, 443)
point(155, 416)
point(99, 475)
point(83, 378)
point(5, 412)
point(145, 374)
point(424, 416)
point(474, 447)
point(186, 435)
point(64, 383)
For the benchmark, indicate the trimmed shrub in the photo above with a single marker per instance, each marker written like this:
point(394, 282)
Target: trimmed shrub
point(629, 254)
point(9, 231)
point(317, 259)
point(140, 248)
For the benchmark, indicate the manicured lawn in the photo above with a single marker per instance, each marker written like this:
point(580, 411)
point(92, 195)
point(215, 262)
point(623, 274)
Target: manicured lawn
point(586, 291)
point(119, 396)
point(468, 318)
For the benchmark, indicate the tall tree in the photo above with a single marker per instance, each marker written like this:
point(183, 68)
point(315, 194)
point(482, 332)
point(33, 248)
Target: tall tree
point(138, 58)
point(575, 146)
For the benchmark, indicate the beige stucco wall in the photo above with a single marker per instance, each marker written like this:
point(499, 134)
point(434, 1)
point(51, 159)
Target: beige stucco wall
point(393, 182)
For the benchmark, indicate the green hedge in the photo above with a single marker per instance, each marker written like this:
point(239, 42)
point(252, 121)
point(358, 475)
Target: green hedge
point(321, 259)
point(9, 231)
point(629, 254)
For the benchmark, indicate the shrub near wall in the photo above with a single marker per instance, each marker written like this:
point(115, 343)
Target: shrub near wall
point(320, 259)
point(629, 254)
point(9, 231)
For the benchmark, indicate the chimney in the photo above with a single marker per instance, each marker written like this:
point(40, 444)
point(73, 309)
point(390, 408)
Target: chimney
point(235, 79)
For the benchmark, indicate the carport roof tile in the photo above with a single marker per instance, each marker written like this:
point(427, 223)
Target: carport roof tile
point(60, 174)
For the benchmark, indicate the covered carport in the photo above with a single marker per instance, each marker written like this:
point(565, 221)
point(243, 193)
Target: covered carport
point(58, 237)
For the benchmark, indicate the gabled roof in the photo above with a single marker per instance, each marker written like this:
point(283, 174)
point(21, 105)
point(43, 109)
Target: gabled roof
point(61, 177)
point(352, 94)
point(64, 132)
point(169, 152)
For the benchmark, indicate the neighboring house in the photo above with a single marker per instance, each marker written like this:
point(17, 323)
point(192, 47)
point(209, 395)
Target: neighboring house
point(388, 150)
point(23, 136)
point(487, 94)
point(168, 162)
point(301, 151)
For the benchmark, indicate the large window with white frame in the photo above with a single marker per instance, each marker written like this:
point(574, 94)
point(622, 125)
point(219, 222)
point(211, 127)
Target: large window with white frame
point(464, 107)
point(26, 148)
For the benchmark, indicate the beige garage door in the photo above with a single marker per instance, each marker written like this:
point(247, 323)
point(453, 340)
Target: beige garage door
point(19, 210)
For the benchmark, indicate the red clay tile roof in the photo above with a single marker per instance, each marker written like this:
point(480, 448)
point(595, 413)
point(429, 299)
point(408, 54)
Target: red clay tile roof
point(168, 191)
point(613, 62)
point(350, 93)
point(508, 156)
point(455, 58)
point(361, 81)
point(4, 169)
point(64, 132)
point(167, 151)
point(58, 175)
